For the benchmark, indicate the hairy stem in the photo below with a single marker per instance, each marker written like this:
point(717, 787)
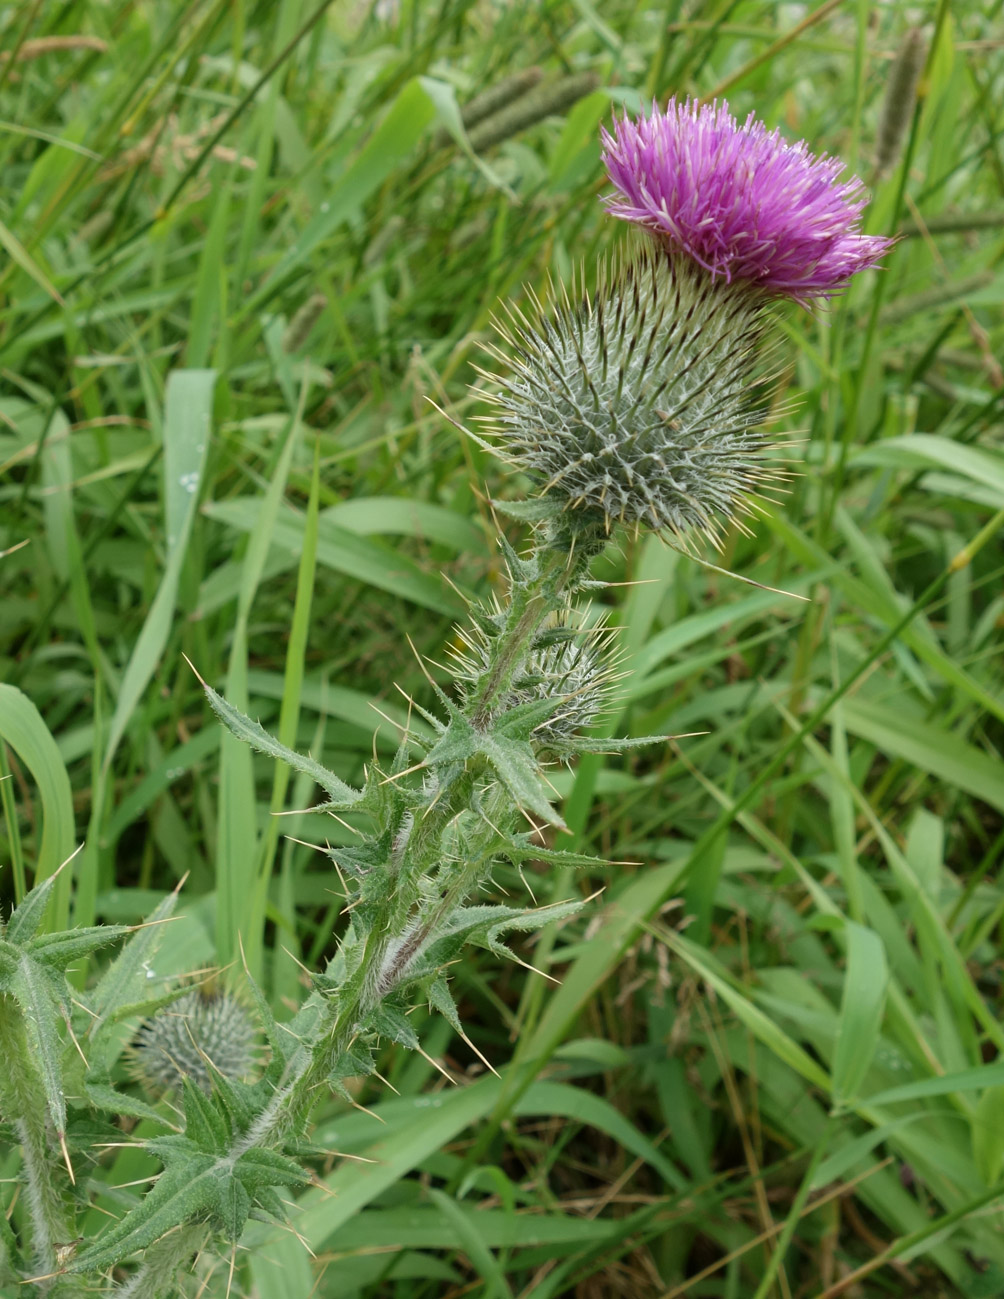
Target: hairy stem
point(529, 604)
point(531, 600)
point(21, 1093)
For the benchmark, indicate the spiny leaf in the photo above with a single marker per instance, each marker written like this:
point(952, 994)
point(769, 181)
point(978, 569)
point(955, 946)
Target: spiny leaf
point(441, 1000)
point(26, 919)
point(596, 744)
point(258, 1168)
point(389, 1022)
point(185, 1190)
point(40, 993)
point(207, 1126)
point(59, 950)
point(516, 766)
point(104, 1096)
point(232, 1208)
point(254, 733)
point(524, 847)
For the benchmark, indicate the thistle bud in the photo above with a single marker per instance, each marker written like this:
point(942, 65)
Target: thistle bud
point(566, 663)
point(639, 405)
point(204, 1027)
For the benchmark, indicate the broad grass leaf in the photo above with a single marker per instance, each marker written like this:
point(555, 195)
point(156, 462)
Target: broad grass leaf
point(915, 451)
point(862, 1006)
point(343, 550)
point(932, 748)
point(763, 1028)
point(22, 727)
point(988, 1134)
point(948, 1084)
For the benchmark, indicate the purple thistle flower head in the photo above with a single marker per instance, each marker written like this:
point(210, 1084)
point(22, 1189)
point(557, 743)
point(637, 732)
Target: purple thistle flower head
point(740, 200)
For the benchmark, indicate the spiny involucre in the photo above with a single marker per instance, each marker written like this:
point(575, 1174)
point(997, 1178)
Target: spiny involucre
point(207, 1026)
point(566, 662)
point(641, 405)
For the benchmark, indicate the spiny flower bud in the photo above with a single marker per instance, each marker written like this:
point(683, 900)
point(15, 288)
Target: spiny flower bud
point(206, 1025)
point(566, 663)
point(640, 405)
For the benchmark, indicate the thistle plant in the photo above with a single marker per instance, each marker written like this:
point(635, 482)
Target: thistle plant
point(639, 404)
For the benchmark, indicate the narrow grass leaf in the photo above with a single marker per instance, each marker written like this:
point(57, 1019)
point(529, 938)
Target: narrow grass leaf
point(470, 1241)
point(188, 412)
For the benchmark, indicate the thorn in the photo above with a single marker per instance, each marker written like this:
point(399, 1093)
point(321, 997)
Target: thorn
point(302, 842)
point(408, 771)
point(373, 1115)
point(487, 1063)
point(421, 661)
point(196, 671)
point(79, 849)
point(435, 1064)
point(386, 1081)
point(233, 1263)
point(296, 960)
point(387, 718)
point(527, 966)
point(66, 1155)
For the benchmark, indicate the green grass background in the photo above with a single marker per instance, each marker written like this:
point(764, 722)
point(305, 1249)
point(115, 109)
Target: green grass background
point(772, 1063)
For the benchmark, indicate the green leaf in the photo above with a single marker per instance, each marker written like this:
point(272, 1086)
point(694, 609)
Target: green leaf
point(258, 1168)
point(254, 733)
point(185, 1190)
point(485, 1264)
point(206, 1125)
point(59, 950)
point(441, 1001)
point(106, 1097)
point(763, 1029)
point(343, 549)
point(188, 412)
point(948, 1084)
point(392, 142)
point(520, 848)
point(21, 725)
point(26, 919)
point(390, 1023)
point(988, 1134)
point(931, 748)
point(929, 451)
point(517, 768)
point(233, 1208)
point(861, 1009)
point(40, 994)
point(127, 978)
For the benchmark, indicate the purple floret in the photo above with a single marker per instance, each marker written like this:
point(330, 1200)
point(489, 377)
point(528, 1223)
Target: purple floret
point(740, 200)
